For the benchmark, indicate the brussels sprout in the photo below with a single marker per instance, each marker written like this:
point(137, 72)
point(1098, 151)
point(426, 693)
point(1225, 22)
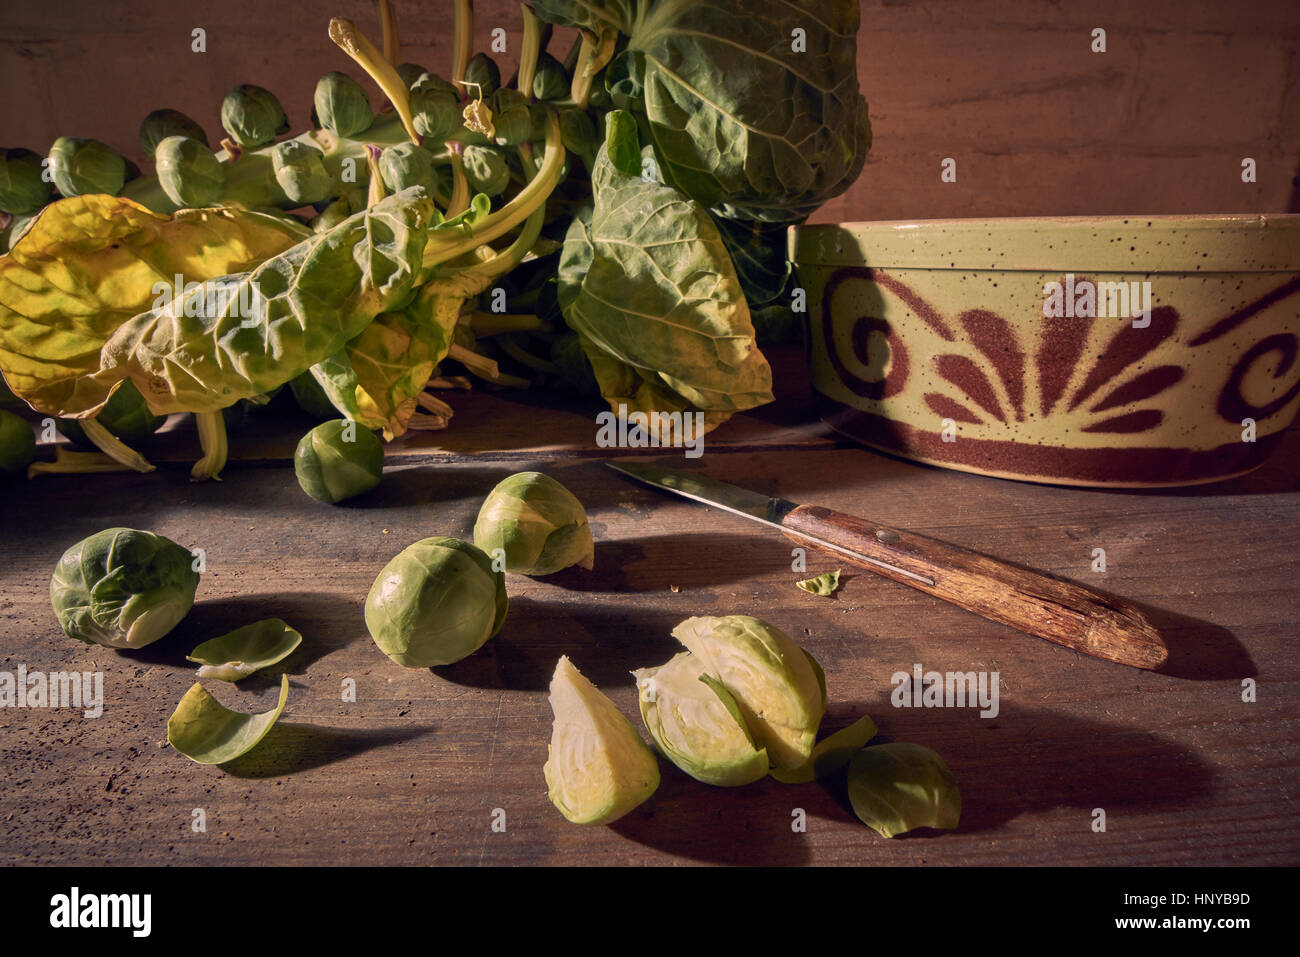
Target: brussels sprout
point(123, 588)
point(82, 166)
point(512, 119)
point(770, 677)
point(252, 116)
point(435, 107)
point(537, 524)
point(340, 105)
point(697, 725)
point(188, 172)
point(551, 81)
point(245, 650)
point(482, 76)
point(575, 368)
point(578, 132)
point(597, 767)
point(160, 124)
point(831, 753)
point(300, 171)
point(406, 164)
point(17, 444)
point(486, 170)
point(895, 788)
point(23, 189)
point(208, 733)
point(337, 460)
point(410, 72)
point(437, 602)
point(125, 414)
point(331, 216)
point(311, 398)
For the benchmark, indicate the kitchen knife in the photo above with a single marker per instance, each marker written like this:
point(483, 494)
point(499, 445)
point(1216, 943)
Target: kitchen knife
point(1034, 602)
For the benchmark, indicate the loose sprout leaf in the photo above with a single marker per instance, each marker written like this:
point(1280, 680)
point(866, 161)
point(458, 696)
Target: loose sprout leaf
point(207, 732)
point(831, 753)
point(824, 584)
point(245, 650)
point(898, 787)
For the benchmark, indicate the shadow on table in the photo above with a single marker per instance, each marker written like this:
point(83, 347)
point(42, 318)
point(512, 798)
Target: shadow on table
point(291, 748)
point(1034, 760)
point(1199, 650)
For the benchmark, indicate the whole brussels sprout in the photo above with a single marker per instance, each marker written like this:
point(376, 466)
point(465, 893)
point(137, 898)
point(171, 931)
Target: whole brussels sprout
point(341, 105)
point(410, 72)
point(697, 725)
point(597, 767)
point(125, 414)
point(435, 107)
point(252, 116)
point(578, 132)
point(189, 173)
point(898, 787)
point(300, 171)
point(771, 678)
point(337, 460)
point(486, 170)
point(160, 124)
point(82, 166)
point(23, 190)
point(406, 164)
point(551, 80)
point(123, 588)
point(435, 603)
point(482, 76)
point(512, 118)
point(17, 444)
point(536, 524)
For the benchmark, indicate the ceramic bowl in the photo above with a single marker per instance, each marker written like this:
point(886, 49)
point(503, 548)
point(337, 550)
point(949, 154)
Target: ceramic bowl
point(1112, 351)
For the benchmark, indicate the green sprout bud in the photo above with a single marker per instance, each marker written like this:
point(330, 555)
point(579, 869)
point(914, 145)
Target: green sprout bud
point(300, 171)
point(406, 164)
point(123, 588)
point(435, 107)
point(597, 767)
point(409, 73)
point(771, 678)
point(17, 444)
point(482, 77)
point(82, 167)
point(126, 415)
point(435, 603)
point(578, 132)
point(536, 524)
point(190, 175)
point(341, 105)
point(551, 81)
point(160, 124)
point(252, 116)
point(23, 190)
point(486, 170)
point(898, 787)
point(337, 460)
point(512, 119)
point(697, 724)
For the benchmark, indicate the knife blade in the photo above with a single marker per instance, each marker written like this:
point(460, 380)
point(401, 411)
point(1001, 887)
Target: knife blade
point(1037, 603)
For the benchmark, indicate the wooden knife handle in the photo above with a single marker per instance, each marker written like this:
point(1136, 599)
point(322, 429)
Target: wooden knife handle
point(1033, 602)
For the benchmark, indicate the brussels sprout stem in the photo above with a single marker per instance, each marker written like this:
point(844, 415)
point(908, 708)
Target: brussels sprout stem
point(377, 191)
point(75, 463)
point(113, 447)
point(388, 29)
point(521, 355)
point(463, 48)
point(532, 50)
point(354, 43)
point(212, 438)
point(595, 52)
point(485, 368)
point(459, 201)
point(485, 324)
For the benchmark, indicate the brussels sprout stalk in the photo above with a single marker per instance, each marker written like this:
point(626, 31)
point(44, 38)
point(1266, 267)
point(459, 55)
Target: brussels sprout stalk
point(463, 46)
point(388, 29)
point(113, 447)
point(459, 201)
point(354, 43)
point(531, 51)
point(595, 52)
point(212, 438)
point(67, 462)
point(485, 324)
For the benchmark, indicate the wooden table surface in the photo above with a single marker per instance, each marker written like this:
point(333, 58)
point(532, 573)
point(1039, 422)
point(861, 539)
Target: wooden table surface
point(419, 768)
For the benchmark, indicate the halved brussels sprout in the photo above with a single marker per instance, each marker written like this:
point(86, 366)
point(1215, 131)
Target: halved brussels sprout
point(190, 175)
point(895, 788)
point(82, 166)
point(697, 725)
point(435, 603)
point(252, 116)
point(486, 169)
point(538, 525)
point(17, 444)
point(831, 753)
point(123, 588)
point(245, 650)
point(207, 732)
point(337, 460)
point(126, 415)
point(300, 171)
point(597, 767)
point(160, 124)
point(770, 677)
point(340, 105)
point(23, 190)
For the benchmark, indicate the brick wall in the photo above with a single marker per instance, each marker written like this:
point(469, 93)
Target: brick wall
point(1037, 123)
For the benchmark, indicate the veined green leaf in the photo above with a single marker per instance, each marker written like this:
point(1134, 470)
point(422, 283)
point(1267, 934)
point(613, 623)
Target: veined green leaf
point(245, 650)
point(207, 732)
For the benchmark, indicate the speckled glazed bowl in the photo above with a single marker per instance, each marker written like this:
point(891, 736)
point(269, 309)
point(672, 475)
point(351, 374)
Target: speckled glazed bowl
point(975, 344)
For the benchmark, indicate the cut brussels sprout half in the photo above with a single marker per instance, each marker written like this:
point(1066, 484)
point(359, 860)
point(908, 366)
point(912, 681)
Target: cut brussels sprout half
point(536, 524)
point(245, 650)
point(597, 768)
point(771, 678)
point(831, 753)
point(895, 788)
point(824, 584)
point(205, 731)
point(696, 723)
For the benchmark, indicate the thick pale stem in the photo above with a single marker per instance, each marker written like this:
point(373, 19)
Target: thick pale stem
point(434, 404)
point(485, 368)
point(532, 49)
point(376, 191)
point(515, 351)
point(595, 52)
point(113, 447)
point(463, 49)
point(485, 324)
point(354, 43)
point(388, 29)
point(459, 201)
point(75, 463)
point(212, 437)
point(450, 382)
